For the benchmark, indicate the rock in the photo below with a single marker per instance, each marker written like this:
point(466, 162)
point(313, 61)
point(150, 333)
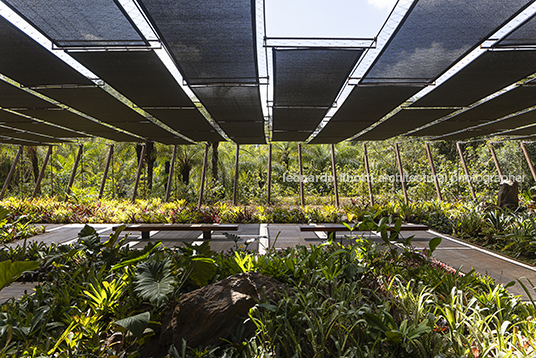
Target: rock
point(206, 316)
point(508, 197)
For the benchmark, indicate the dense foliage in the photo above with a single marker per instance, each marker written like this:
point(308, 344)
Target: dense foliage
point(104, 300)
point(254, 166)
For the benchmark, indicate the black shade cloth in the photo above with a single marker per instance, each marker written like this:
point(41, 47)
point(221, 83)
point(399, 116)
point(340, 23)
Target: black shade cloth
point(98, 104)
point(404, 121)
point(489, 73)
point(138, 75)
point(234, 104)
point(311, 77)
point(14, 97)
point(213, 41)
point(289, 136)
point(524, 35)
point(293, 119)
point(41, 128)
point(79, 22)
point(436, 34)
point(25, 61)
point(363, 107)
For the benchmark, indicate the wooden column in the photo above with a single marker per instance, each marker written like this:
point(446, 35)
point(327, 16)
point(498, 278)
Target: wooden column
point(170, 175)
point(466, 171)
point(334, 171)
point(11, 171)
point(269, 182)
point(367, 169)
point(203, 174)
point(529, 162)
point(106, 169)
point(429, 154)
point(302, 196)
point(138, 175)
point(401, 173)
point(497, 166)
point(235, 186)
point(42, 172)
point(73, 173)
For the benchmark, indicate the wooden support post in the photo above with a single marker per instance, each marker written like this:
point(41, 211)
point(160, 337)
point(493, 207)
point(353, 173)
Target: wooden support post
point(11, 171)
point(269, 182)
point(42, 172)
point(497, 166)
point(106, 169)
point(429, 154)
point(203, 174)
point(73, 173)
point(235, 187)
point(302, 195)
point(334, 171)
point(170, 175)
point(401, 173)
point(466, 171)
point(138, 175)
point(369, 179)
point(529, 162)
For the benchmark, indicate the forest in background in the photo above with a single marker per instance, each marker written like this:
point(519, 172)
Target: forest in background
point(253, 173)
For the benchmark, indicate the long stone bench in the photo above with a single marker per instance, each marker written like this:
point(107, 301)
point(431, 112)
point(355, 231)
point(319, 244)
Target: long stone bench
point(207, 229)
point(334, 228)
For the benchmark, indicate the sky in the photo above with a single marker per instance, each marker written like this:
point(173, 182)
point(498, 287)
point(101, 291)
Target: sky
point(326, 18)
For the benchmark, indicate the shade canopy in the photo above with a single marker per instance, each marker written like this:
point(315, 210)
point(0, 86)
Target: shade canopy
point(181, 72)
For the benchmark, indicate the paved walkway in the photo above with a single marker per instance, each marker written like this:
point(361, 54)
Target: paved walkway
point(451, 251)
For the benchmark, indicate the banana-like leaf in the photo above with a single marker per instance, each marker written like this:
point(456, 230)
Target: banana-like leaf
point(203, 269)
point(135, 324)
point(10, 271)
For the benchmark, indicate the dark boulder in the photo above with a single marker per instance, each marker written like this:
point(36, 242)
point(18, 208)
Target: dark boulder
point(508, 197)
point(210, 314)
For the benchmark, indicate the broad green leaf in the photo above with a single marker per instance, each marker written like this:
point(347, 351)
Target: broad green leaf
point(203, 269)
point(10, 271)
point(434, 243)
point(135, 324)
point(136, 259)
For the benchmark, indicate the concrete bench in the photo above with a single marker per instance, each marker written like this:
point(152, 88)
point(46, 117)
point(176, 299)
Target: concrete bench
point(334, 228)
point(207, 229)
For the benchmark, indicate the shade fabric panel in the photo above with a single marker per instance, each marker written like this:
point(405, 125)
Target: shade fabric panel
point(79, 22)
point(41, 128)
point(20, 134)
point(510, 102)
point(108, 110)
point(183, 120)
point(138, 75)
point(234, 104)
point(311, 77)
point(213, 41)
point(201, 136)
point(524, 35)
point(70, 120)
point(290, 136)
point(436, 34)
point(27, 62)
point(514, 122)
point(448, 126)
point(403, 121)
point(14, 97)
point(244, 132)
point(364, 106)
point(489, 73)
point(304, 119)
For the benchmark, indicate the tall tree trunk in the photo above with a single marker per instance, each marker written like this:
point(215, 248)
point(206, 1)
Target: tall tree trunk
point(185, 172)
point(150, 156)
point(32, 154)
point(215, 160)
